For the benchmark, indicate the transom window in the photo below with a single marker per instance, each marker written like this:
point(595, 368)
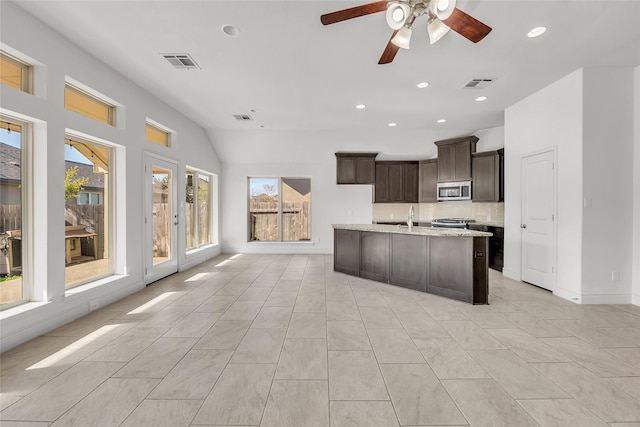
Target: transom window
point(88, 105)
point(279, 209)
point(157, 135)
point(15, 73)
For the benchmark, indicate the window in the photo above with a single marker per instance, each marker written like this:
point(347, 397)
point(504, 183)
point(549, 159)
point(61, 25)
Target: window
point(198, 208)
point(280, 209)
point(157, 135)
point(88, 105)
point(15, 73)
point(88, 198)
point(88, 167)
point(12, 209)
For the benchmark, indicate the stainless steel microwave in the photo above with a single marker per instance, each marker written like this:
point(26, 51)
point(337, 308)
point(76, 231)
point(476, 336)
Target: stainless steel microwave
point(454, 190)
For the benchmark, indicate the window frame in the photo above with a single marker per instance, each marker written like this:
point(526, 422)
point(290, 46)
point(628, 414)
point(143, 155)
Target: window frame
point(26, 196)
point(110, 210)
point(280, 213)
point(26, 77)
point(196, 223)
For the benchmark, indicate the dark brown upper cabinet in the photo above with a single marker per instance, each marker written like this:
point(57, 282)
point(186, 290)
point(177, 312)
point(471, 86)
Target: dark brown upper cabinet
point(488, 176)
point(454, 158)
point(396, 182)
point(427, 190)
point(356, 168)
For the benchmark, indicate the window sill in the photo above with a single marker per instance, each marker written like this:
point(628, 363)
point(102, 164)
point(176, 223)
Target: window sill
point(20, 309)
point(297, 242)
point(201, 248)
point(93, 285)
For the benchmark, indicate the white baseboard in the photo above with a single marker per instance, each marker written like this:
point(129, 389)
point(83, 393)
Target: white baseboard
point(568, 295)
point(635, 299)
point(513, 275)
point(607, 299)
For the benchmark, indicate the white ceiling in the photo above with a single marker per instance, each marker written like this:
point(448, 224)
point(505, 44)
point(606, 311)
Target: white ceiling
point(301, 75)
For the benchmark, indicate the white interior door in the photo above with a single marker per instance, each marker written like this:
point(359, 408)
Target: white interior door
point(537, 225)
point(161, 219)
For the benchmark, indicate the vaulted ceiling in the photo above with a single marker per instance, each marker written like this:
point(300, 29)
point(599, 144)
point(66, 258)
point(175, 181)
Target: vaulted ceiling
point(289, 72)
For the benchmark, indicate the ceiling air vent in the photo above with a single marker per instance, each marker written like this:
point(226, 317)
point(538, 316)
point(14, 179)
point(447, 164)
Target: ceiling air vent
point(243, 117)
point(478, 83)
point(183, 61)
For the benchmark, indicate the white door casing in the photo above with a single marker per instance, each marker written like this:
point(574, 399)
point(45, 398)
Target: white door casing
point(538, 219)
point(161, 218)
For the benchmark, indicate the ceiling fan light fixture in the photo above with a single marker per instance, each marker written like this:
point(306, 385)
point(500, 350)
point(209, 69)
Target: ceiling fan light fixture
point(397, 14)
point(402, 38)
point(443, 8)
point(436, 30)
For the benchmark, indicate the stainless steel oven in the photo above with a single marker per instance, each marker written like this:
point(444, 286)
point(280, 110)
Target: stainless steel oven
point(454, 190)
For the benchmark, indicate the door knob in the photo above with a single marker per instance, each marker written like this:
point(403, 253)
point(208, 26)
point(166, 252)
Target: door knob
point(523, 225)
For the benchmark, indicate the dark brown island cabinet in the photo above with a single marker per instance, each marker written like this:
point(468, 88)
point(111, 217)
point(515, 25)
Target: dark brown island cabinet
point(356, 168)
point(427, 186)
point(488, 176)
point(496, 244)
point(425, 260)
point(396, 182)
point(454, 158)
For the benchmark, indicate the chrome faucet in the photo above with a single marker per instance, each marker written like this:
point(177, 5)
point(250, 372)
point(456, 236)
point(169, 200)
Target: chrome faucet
point(410, 218)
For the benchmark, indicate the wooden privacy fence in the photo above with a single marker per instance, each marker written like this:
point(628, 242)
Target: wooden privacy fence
point(264, 221)
point(91, 217)
point(203, 224)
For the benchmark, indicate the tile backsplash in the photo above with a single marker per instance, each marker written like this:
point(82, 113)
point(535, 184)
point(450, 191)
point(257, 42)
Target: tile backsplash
point(482, 212)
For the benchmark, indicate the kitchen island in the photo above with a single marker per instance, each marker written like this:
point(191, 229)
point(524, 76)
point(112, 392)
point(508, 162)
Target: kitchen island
point(448, 262)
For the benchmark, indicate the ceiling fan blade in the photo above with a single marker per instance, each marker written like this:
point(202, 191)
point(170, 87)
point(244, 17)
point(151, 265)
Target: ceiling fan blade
point(389, 51)
point(353, 12)
point(467, 26)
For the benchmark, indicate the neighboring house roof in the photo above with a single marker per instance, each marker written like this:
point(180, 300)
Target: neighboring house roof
point(9, 163)
point(10, 168)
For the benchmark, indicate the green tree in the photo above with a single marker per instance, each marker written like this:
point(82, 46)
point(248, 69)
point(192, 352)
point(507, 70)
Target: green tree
point(72, 185)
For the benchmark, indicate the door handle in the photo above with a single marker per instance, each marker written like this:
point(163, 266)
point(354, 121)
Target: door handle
point(523, 225)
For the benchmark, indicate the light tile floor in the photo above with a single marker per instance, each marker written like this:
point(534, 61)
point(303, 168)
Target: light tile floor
point(282, 340)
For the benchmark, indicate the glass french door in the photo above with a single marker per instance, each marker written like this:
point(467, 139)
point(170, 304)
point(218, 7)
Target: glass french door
point(161, 219)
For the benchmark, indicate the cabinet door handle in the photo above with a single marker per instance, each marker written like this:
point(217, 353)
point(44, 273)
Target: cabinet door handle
point(523, 225)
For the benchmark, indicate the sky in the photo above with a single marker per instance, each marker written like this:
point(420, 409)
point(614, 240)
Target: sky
point(256, 185)
point(13, 139)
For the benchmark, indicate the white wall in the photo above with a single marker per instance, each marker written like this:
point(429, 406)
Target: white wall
point(293, 153)
point(635, 259)
point(57, 58)
point(589, 116)
point(607, 242)
point(550, 118)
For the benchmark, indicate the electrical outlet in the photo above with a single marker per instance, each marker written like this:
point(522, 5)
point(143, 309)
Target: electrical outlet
point(588, 203)
point(615, 276)
point(390, 216)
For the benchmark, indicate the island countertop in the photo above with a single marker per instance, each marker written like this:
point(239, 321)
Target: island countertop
point(417, 231)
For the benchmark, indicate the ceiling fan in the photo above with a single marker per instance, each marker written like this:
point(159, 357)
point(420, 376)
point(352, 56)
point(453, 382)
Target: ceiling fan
point(442, 16)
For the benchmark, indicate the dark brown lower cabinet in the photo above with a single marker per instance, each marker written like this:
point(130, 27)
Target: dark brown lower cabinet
point(408, 266)
point(453, 267)
point(496, 244)
point(374, 256)
point(346, 251)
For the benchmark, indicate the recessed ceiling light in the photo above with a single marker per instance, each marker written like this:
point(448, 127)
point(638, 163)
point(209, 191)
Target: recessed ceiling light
point(481, 98)
point(393, 124)
point(361, 106)
point(536, 32)
point(442, 120)
point(422, 85)
point(230, 30)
